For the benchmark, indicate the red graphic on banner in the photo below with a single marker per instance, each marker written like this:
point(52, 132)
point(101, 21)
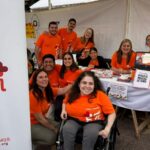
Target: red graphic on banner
point(2, 70)
point(4, 141)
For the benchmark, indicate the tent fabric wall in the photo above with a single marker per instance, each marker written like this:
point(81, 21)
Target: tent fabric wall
point(139, 23)
point(112, 21)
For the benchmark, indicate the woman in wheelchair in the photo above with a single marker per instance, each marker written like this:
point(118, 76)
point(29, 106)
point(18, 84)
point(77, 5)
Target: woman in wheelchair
point(85, 107)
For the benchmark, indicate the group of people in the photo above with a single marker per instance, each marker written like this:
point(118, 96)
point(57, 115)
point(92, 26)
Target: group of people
point(85, 103)
point(57, 42)
point(52, 80)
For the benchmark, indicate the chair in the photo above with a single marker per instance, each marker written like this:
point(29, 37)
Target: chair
point(108, 62)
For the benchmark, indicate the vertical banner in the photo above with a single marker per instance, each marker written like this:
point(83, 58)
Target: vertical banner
point(14, 100)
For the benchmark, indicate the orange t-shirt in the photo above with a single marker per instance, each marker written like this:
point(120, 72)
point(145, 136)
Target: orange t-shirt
point(39, 107)
point(54, 76)
point(69, 77)
point(48, 44)
point(123, 64)
point(79, 45)
point(94, 62)
point(86, 111)
point(68, 38)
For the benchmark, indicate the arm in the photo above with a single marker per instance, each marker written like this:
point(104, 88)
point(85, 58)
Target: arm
point(37, 51)
point(63, 112)
point(64, 90)
point(105, 132)
point(121, 71)
point(44, 121)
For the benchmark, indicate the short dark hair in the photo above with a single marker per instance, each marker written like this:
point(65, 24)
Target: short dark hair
point(93, 49)
point(48, 56)
point(72, 19)
point(53, 22)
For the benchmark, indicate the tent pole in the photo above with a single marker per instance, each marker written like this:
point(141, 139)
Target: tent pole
point(49, 5)
point(127, 19)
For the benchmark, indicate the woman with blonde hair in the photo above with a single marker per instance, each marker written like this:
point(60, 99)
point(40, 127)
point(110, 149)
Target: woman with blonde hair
point(123, 59)
point(84, 43)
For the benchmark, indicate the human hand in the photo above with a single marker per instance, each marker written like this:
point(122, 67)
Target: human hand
point(63, 115)
point(104, 133)
point(90, 66)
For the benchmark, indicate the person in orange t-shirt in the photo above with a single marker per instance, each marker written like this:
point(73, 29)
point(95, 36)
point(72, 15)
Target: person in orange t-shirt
point(84, 43)
point(69, 70)
point(123, 60)
point(49, 43)
point(68, 36)
point(85, 106)
point(41, 98)
point(48, 63)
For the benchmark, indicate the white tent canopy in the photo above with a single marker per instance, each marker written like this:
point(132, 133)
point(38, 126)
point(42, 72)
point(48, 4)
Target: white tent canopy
point(55, 3)
point(112, 21)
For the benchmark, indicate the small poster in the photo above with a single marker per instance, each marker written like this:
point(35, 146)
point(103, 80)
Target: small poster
point(30, 31)
point(118, 91)
point(142, 79)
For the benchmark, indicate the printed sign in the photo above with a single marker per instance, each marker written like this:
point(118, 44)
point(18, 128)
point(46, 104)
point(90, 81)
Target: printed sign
point(142, 79)
point(118, 91)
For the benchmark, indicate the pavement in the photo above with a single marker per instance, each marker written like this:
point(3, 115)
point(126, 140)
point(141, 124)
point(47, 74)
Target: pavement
point(127, 139)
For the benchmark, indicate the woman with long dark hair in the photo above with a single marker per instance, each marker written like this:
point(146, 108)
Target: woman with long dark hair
point(69, 70)
point(123, 60)
point(41, 99)
point(85, 106)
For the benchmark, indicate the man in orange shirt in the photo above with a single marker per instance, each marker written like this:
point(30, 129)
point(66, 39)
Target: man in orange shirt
point(48, 63)
point(48, 43)
point(68, 36)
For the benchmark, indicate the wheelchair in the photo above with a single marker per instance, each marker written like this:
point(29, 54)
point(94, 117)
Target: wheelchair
point(101, 143)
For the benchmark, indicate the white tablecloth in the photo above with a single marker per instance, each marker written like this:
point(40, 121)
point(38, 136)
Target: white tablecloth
point(138, 98)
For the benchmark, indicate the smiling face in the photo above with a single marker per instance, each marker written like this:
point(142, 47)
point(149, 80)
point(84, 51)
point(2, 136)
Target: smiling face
point(71, 25)
point(88, 33)
point(126, 47)
point(48, 64)
point(93, 54)
point(68, 60)
point(53, 29)
point(42, 80)
point(86, 85)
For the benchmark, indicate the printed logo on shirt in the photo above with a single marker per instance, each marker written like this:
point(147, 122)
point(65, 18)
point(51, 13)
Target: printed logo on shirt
point(93, 114)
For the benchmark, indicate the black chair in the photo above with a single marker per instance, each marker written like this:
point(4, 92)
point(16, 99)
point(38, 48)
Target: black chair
point(108, 62)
